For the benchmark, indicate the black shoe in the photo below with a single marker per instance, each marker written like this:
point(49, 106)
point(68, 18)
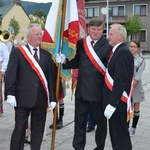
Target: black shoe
point(26, 140)
point(51, 126)
point(59, 125)
point(89, 129)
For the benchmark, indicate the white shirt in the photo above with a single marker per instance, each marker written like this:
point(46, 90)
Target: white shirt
point(9, 46)
point(93, 40)
point(4, 56)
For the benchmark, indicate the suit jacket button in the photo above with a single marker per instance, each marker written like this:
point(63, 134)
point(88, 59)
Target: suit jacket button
point(36, 85)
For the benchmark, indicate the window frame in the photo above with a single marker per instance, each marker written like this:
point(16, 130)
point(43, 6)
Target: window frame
point(91, 7)
point(111, 9)
point(146, 11)
point(134, 36)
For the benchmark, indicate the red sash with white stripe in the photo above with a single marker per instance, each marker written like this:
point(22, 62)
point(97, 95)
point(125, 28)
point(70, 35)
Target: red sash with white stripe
point(93, 56)
point(35, 66)
point(125, 97)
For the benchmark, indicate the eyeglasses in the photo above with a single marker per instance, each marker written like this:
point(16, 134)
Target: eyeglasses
point(133, 46)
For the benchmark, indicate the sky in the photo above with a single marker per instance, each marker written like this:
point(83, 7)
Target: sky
point(39, 1)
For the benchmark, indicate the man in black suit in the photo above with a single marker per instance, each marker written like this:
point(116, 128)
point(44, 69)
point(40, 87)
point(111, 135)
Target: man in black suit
point(117, 88)
point(30, 88)
point(91, 61)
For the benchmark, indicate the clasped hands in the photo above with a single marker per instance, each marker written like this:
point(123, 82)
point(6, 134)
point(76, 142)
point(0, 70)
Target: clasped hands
point(60, 58)
point(109, 110)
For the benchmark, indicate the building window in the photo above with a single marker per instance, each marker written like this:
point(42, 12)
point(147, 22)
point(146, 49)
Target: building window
point(140, 10)
point(91, 12)
point(117, 10)
point(141, 36)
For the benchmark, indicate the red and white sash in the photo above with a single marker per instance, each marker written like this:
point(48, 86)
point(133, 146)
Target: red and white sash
point(125, 97)
point(35, 66)
point(93, 56)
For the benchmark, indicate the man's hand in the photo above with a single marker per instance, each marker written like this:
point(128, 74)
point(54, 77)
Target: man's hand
point(109, 110)
point(60, 58)
point(11, 100)
point(2, 73)
point(52, 105)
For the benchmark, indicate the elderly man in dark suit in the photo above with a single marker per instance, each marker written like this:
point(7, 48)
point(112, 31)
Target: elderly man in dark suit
point(30, 88)
point(117, 88)
point(91, 59)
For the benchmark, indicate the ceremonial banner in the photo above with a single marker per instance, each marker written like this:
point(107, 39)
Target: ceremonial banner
point(71, 33)
point(82, 21)
point(52, 32)
point(61, 34)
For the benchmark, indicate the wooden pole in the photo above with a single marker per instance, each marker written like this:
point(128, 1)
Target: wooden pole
point(58, 79)
point(56, 109)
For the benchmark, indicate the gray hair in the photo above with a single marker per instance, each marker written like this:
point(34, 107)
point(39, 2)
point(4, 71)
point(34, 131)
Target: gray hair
point(121, 30)
point(29, 27)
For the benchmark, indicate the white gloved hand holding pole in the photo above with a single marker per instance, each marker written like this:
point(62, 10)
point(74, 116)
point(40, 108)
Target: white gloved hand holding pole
point(109, 110)
point(52, 105)
point(11, 100)
point(60, 58)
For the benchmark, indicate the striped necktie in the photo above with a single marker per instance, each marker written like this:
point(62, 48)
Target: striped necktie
point(35, 55)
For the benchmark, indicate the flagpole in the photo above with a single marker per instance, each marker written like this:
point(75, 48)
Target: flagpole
point(58, 79)
point(107, 16)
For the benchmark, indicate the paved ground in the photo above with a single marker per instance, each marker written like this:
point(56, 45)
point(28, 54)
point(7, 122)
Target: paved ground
point(63, 139)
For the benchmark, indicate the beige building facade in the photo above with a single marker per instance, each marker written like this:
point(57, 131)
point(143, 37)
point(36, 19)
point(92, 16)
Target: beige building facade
point(14, 10)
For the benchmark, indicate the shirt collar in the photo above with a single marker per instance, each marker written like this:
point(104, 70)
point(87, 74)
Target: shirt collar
point(31, 47)
point(93, 40)
point(115, 47)
point(32, 51)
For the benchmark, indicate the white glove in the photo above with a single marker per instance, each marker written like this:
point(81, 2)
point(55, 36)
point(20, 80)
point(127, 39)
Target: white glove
point(60, 58)
point(109, 110)
point(11, 100)
point(52, 105)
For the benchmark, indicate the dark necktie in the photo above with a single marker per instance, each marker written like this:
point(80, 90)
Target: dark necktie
point(92, 43)
point(35, 54)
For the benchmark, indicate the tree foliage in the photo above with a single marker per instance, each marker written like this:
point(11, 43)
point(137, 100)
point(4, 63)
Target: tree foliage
point(40, 18)
point(38, 21)
point(40, 13)
point(133, 25)
point(15, 25)
point(1, 3)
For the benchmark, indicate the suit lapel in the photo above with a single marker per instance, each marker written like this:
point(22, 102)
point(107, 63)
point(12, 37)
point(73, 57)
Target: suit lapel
point(98, 44)
point(42, 57)
point(28, 47)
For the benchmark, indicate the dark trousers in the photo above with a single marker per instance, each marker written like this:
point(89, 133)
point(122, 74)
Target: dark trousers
point(90, 121)
point(38, 117)
point(119, 134)
point(82, 109)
